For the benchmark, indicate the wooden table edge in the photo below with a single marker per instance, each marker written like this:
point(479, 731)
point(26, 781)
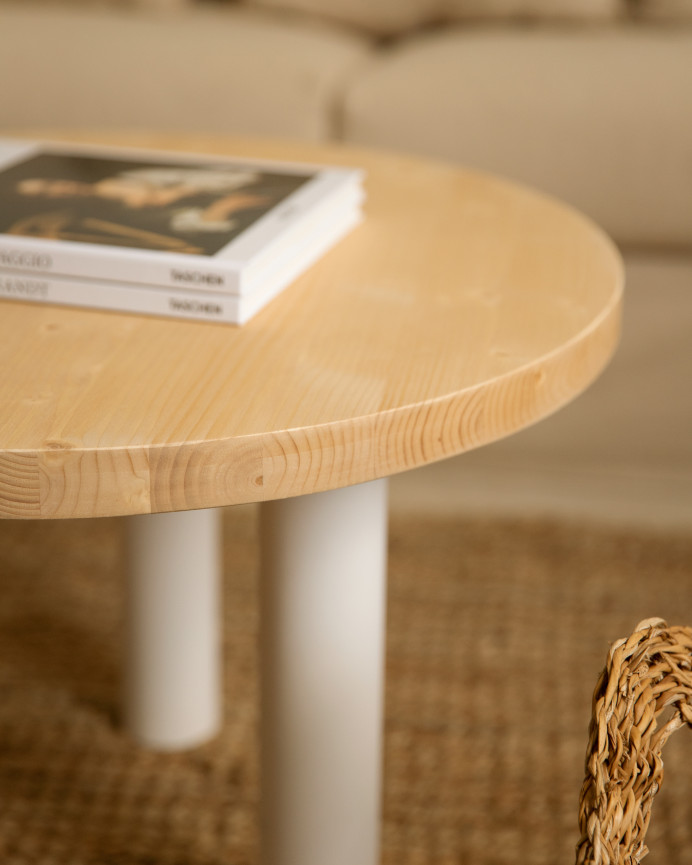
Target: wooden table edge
point(44, 483)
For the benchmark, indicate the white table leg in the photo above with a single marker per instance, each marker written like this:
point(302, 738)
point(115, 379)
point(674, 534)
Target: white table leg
point(173, 652)
point(322, 624)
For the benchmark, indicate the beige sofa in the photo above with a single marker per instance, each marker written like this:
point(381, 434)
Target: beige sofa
point(590, 100)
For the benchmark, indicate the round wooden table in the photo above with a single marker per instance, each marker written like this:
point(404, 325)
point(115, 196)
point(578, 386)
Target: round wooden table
point(463, 309)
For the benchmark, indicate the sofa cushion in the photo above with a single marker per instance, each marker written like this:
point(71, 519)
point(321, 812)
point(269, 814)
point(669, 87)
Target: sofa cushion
point(219, 70)
point(381, 17)
point(166, 5)
point(572, 10)
point(396, 17)
point(154, 4)
point(664, 10)
point(596, 117)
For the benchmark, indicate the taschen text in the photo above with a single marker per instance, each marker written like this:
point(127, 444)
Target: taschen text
point(196, 277)
point(195, 306)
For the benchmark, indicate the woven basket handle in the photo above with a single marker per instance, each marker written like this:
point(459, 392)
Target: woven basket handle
point(647, 676)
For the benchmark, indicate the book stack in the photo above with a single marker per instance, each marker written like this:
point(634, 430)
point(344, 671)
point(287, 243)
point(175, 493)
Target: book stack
point(163, 234)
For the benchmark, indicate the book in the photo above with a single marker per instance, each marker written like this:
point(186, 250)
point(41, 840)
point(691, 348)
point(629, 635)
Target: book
point(184, 222)
point(198, 304)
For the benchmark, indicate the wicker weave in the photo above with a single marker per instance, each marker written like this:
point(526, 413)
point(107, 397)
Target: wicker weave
point(643, 695)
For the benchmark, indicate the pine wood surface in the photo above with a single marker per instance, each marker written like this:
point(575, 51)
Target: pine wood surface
point(463, 309)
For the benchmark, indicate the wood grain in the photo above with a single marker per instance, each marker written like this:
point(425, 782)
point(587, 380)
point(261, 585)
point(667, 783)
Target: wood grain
point(463, 309)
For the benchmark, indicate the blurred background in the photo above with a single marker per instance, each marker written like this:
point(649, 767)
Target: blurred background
point(589, 100)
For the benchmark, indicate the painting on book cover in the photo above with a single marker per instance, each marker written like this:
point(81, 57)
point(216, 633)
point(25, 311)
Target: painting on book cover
point(195, 209)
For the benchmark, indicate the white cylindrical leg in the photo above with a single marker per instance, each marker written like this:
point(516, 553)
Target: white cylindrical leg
point(173, 652)
point(322, 624)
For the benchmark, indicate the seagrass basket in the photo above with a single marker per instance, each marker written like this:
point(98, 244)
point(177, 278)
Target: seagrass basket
point(643, 695)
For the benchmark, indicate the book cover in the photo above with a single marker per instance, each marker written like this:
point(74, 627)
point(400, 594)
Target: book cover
point(160, 219)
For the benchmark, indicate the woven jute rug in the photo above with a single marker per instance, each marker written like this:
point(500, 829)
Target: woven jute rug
point(497, 632)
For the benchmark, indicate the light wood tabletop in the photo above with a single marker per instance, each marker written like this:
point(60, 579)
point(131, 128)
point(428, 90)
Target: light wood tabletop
point(462, 309)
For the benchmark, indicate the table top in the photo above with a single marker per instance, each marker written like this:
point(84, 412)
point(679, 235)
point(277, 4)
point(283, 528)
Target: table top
point(463, 309)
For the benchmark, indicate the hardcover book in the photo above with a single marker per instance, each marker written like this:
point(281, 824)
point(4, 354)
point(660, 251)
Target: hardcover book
point(109, 218)
point(197, 304)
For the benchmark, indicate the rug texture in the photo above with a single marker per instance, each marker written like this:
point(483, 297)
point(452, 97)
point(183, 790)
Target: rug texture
point(497, 633)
